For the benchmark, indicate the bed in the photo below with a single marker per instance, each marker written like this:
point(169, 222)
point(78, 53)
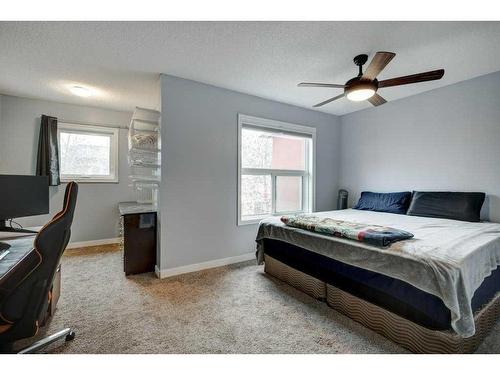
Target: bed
point(436, 292)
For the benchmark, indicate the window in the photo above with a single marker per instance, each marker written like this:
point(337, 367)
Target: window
point(88, 153)
point(275, 168)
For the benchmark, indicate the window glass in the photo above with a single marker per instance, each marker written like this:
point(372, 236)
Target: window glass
point(288, 193)
point(256, 196)
point(268, 150)
point(88, 153)
point(276, 169)
point(85, 154)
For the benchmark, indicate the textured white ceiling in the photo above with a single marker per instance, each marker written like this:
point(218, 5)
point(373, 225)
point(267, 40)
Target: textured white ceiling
point(121, 61)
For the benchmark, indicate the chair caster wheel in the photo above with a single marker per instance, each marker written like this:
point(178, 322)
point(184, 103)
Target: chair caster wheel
point(70, 336)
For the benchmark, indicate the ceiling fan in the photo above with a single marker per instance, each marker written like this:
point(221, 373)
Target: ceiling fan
point(365, 85)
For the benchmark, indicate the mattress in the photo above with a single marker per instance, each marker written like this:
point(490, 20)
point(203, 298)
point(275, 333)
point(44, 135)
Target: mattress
point(448, 259)
point(392, 294)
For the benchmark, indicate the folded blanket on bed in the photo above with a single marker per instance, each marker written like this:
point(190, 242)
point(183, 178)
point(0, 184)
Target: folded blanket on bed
point(375, 235)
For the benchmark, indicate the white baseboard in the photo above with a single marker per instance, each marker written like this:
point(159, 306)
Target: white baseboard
point(203, 266)
point(157, 272)
point(105, 241)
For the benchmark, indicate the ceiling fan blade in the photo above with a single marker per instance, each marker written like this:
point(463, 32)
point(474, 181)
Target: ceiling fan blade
point(414, 78)
point(377, 100)
point(313, 84)
point(329, 100)
point(378, 63)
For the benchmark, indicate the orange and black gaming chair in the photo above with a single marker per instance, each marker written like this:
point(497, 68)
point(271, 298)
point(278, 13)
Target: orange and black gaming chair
point(25, 295)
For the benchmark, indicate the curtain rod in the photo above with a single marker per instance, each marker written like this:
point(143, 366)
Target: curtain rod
point(92, 124)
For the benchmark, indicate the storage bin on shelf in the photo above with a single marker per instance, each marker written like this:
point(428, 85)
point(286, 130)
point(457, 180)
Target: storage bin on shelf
point(137, 157)
point(144, 172)
point(146, 190)
point(147, 196)
point(143, 133)
point(144, 140)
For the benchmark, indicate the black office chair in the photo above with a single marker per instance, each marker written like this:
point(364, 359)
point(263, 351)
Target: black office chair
point(25, 295)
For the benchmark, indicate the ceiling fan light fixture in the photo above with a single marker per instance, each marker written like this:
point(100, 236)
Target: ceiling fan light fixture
point(360, 94)
point(358, 90)
point(80, 91)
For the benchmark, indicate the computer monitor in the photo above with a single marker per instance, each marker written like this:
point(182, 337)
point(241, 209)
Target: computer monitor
point(22, 196)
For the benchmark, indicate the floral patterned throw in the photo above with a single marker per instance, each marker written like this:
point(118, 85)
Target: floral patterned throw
point(375, 235)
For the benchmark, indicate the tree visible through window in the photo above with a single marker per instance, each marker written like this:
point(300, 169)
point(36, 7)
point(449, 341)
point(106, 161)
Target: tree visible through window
point(88, 153)
point(85, 154)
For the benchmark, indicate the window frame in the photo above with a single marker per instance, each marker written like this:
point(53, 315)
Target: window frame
point(71, 127)
point(308, 176)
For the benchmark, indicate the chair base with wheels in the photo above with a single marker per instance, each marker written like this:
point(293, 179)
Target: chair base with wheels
point(67, 333)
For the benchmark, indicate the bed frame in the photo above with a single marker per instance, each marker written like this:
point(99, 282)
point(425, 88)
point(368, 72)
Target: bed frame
point(406, 333)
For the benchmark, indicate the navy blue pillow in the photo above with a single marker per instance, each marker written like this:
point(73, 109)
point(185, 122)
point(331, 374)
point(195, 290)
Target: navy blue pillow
point(447, 205)
point(394, 203)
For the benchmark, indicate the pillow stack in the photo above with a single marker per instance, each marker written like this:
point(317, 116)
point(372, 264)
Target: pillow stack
point(464, 206)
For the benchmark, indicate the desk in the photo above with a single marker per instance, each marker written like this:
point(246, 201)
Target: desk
point(21, 257)
point(13, 235)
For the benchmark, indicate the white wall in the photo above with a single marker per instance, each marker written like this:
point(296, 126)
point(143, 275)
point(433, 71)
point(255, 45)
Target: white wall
point(444, 139)
point(198, 196)
point(96, 216)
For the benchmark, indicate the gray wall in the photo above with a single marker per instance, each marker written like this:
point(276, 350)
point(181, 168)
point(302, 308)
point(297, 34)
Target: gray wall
point(1, 137)
point(198, 196)
point(96, 216)
point(445, 139)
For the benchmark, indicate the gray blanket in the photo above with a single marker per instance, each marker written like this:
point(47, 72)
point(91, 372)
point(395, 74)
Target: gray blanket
point(446, 258)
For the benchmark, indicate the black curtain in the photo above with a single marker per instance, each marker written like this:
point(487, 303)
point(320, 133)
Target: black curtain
point(47, 162)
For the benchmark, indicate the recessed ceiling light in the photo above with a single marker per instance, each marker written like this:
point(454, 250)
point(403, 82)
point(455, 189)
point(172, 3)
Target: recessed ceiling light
point(80, 91)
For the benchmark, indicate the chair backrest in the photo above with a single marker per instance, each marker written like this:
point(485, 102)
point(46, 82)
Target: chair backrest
point(53, 238)
point(29, 301)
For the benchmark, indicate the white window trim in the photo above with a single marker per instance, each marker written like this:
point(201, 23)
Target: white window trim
point(284, 126)
point(79, 128)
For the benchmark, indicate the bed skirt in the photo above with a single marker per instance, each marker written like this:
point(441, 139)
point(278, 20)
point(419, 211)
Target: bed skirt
point(404, 332)
point(299, 280)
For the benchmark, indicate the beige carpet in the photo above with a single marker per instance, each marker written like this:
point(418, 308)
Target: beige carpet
point(233, 309)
